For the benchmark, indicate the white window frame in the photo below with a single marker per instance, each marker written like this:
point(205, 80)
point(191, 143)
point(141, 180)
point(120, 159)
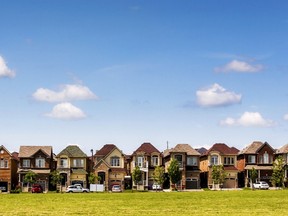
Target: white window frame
point(214, 160)
point(26, 163)
point(63, 162)
point(78, 162)
point(115, 161)
point(3, 163)
point(192, 161)
point(229, 160)
point(140, 161)
point(154, 160)
point(40, 162)
point(252, 159)
point(266, 158)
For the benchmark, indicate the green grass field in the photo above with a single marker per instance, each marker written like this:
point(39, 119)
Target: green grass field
point(244, 202)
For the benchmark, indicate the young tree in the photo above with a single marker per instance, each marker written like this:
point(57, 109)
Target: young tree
point(218, 174)
point(174, 172)
point(30, 178)
point(56, 178)
point(92, 178)
point(278, 174)
point(158, 175)
point(253, 176)
point(136, 175)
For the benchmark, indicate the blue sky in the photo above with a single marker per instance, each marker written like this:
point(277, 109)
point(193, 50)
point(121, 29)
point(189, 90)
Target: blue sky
point(127, 72)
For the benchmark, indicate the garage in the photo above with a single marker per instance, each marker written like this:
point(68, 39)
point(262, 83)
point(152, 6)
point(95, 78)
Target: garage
point(191, 183)
point(229, 183)
point(4, 186)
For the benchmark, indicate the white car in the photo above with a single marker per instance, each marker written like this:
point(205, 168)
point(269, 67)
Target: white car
point(76, 189)
point(116, 188)
point(156, 186)
point(261, 185)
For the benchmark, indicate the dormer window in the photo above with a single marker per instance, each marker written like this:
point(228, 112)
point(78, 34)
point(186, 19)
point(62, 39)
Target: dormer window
point(115, 161)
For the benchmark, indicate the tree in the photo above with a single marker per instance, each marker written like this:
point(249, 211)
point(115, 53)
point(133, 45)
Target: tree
point(30, 178)
point(92, 178)
point(158, 175)
point(136, 175)
point(56, 178)
point(253, 176)
point(174, 172)
point(278, 174)
point(218, 174)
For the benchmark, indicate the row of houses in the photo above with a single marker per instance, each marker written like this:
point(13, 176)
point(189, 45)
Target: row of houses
point(115, 167)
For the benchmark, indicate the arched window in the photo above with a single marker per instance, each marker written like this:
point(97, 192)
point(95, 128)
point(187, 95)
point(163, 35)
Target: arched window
point(214, 160)
point(115, 161)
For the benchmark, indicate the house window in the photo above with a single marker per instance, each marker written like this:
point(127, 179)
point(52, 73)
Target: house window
point(115, 161)
point(179, 159)
point(26, 163)
point(192, 161)
point(3, 163)
point(214, 160)
point(266, 158)
point(78, 162)
point(251, 159)
point(63, 163)
point(228, 160)
point(154, 160)
point(40, 162)
point(140, 161)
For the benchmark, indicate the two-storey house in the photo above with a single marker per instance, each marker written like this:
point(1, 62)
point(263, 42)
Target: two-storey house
point(8, 170)
point(72, 165)
point(220, 154)
point(188, 159)
point(39, 160)
point(146, 157)
point(283, 152)
point(257, 155)
point(110, 166)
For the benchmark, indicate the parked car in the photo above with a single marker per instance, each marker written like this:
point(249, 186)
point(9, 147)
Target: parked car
point(261, 185)
point(37, 188)
point(116, 188)
point(76, 189)
point(156, 187)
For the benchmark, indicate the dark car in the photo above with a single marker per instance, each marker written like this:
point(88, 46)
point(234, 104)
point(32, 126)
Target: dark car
point(36, 188)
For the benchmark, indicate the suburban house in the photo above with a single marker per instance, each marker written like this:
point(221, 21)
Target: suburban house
point(39, 160)
point(146, 157)
point(220, 154)
point(188, 159)
point(72, 165)
point(8, 170)
point(257, 155)
point(110, 167)
point(283, 152)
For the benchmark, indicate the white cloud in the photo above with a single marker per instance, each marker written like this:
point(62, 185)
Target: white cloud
point(67, 93)
point(4, 70)
point(286, 117)
point(66, 111)
point(216, 95)
point(248, 119)
point(239, 66)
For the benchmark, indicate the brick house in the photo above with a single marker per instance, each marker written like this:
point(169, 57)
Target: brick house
point(188, 159)
point(220, 154)
point(8, 170)
point(257, 155)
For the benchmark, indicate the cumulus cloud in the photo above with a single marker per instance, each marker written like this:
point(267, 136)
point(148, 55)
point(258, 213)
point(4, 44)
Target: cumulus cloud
point(216, 95)
point(66, 111)
point(286, 117)
point(4, 70)
point(248, 119)
point(66, 93)
point(239, 66)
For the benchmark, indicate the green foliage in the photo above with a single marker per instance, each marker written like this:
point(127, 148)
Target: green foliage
point(136, 175)
point(218, 174)
point(174, 172)
point(158, 175)
point(92, 178)
point(278, 174)
point(30, 177)
point(253, 174)
point(55, 177)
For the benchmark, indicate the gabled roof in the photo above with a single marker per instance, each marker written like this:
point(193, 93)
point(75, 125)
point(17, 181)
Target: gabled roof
point(72, 151)
point(2, 147)
point(29, 151)
point(254, 147)
point(147, 148)
point(223, 149)
point(201, 150)
point(282, 150)
point(183, 148)
point(106, 149)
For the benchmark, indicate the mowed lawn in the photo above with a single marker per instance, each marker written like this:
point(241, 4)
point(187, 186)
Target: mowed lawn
point(244, 202)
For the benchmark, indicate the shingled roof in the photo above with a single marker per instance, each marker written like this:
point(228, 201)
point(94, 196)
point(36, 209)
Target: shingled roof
point(282, 150)
point(29, 151)
point(72, 151)
point(186, 148)
point(223, 149)
point(148, 148)
point(106, 149)
point(252, 148)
